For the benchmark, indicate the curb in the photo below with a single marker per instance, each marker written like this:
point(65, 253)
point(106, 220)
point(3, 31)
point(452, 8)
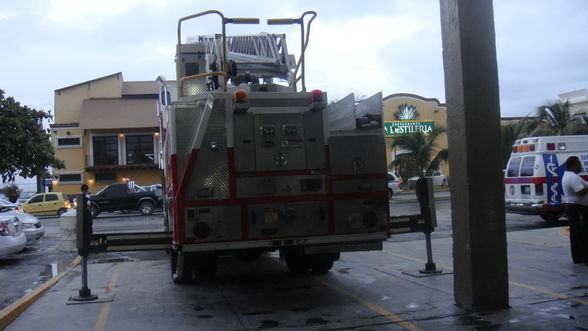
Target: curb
point(10, 313)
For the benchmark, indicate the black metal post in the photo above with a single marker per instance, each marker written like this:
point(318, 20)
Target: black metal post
point(424, 192)
point(83, 244)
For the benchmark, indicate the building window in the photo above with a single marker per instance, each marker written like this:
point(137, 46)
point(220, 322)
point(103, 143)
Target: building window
point(105, 177)
point(105, 150)
point(69, 141)
point(74, 178)
point(139, 149)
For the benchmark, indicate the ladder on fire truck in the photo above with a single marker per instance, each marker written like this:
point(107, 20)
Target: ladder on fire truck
point(263, 55)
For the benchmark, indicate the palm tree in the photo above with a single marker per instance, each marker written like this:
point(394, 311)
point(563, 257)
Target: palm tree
point(509, 134)
point(424, 154)
point(554, 118)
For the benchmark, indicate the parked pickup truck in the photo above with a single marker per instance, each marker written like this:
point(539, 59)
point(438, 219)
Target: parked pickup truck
point(126, 197)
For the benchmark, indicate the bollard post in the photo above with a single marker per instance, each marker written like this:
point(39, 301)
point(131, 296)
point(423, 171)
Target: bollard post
point(424, 192)
point(83, 245)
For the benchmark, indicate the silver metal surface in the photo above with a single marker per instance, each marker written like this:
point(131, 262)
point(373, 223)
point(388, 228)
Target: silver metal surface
point(278, 150)
point(357, 153)
point(211, 172)
point(293, 219)
point(248, 187)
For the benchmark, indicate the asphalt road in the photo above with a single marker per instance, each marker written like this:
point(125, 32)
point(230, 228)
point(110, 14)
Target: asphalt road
point(22, 272)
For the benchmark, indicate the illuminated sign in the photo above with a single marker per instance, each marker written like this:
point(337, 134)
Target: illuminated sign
point(397, 128)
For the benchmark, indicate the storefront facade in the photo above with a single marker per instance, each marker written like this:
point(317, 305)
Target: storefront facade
point(406, 113)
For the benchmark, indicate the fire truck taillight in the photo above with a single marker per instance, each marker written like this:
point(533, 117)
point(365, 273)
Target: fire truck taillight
point(355, 220)
point(201, 230)
point(532, 147)
point(550, 146)
point(514, 149)
point(219, 229)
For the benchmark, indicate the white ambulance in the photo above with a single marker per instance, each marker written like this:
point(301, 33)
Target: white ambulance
point(533, 176)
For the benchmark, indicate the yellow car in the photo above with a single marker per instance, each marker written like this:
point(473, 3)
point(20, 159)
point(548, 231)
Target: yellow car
point(52, 203)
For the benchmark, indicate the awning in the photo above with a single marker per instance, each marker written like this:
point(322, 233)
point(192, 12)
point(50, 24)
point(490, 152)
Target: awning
point(118, 113)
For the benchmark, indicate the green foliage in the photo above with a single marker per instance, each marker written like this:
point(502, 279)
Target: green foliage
point(424, 156)
point(12, 192)
point(26, 148)
point(510, 133)
point(554, 118)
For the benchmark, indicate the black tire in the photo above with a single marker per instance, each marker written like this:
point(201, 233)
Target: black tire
point(296, 261)
point(444, 183)
point(551, 217)
point(146, 208)
point(322, 263)
point(94, 210)
point(249, 254)
point(61, 211)
point(186, 274)
point(204, 266)
point(390, 193)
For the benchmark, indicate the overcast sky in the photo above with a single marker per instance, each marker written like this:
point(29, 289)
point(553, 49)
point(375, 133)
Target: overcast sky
point(361, 46)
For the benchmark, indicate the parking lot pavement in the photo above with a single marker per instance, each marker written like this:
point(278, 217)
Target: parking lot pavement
point(410, 195)
point(364, 290)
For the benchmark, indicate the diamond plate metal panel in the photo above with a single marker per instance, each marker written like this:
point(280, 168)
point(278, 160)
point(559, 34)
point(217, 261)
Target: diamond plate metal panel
point(187, 116)
point(194, 86)
point(210, 177)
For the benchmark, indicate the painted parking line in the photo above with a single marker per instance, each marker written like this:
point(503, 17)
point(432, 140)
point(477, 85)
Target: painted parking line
point(103, 317)
point(370, 305)
point(529, 287)
point(10, 313)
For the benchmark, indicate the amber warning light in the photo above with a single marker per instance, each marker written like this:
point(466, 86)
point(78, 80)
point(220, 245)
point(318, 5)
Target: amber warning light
point(240, 101)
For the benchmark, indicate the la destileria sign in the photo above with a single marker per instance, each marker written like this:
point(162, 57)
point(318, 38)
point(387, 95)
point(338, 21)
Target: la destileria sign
point(405, 122)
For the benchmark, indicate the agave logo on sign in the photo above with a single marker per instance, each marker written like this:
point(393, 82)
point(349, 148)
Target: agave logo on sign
point(405, 122)
point(406, 112)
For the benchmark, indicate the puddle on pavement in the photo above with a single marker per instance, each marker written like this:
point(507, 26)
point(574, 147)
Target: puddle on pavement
point(114, 260)
point(269, 324)
point(50, 270)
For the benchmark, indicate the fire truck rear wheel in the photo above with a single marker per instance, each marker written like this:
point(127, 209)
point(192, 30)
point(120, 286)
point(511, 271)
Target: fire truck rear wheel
point(249, 254)
point(296, 261)
point(322, 263)
point(204, 267)
point(184, 275)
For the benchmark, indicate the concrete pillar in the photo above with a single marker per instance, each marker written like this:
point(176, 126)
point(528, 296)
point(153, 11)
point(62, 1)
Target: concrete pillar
point(475, 160)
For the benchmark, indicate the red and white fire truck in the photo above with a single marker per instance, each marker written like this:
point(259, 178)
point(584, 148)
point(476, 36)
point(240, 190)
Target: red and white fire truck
point(253, 162)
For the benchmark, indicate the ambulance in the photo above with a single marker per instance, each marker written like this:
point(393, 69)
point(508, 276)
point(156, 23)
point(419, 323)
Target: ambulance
point(532, 180)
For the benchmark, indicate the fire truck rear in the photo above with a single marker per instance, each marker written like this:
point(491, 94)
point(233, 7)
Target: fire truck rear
point(251, 165)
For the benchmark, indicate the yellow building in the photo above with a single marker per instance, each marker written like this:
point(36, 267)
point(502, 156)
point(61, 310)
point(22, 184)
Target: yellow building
point(106, 130)
point(405, 113)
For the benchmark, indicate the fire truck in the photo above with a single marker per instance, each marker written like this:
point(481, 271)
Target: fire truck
point(253, 162)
